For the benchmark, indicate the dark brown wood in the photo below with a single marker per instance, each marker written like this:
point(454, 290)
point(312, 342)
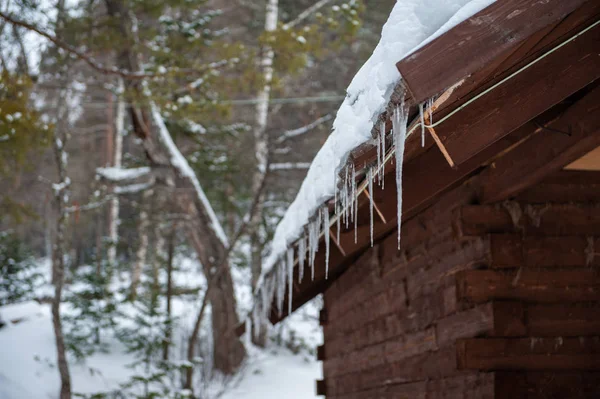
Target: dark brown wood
point(547, 151)
point(540, 286)
point(321, 352)
point(554, 353)
point(514, 250)
point(323, 317)
point(563, 320)
point(547, 385)
point(549, 219)
point(477, 41)
point(563, 187)
point(522, 98)
point(431, 365)
point(492, 319)
point(321, 388)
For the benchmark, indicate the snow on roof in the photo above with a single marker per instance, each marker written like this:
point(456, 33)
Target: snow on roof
point(411, 25)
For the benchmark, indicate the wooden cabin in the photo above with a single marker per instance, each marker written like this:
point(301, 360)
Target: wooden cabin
point(495, 292)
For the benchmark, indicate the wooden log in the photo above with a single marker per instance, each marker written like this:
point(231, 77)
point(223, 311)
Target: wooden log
point(522, 98)
point(468, 386)
point(514, 250)
point(323, 317)
point(321, 387)
point(549, 219)
point(431, 365)
point(564, 186)
point(547, 151)
point(538, 286)
point(563, 320)
point(472, 44)
point(491, 319)
point(557, 353)
point(420, 314)
point(401, 347)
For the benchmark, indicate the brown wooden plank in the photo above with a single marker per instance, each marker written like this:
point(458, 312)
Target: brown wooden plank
point(323, 317)
point(549, 219)
point(539, 286)
point(546, 384)
point(492, 319)
point(321, 387)
point(547, 151)
point(522, 98)
point(563, 320)
point(467, 386)
point(475, 42)
point(420, 314)
point(401, 347)
point(556, 353)
point(321, 352)
point(514, 250)
point(431, 365)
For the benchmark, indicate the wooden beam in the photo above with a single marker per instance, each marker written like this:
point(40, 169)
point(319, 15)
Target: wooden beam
point(474, 43)
point(321, 353)
point(540, 219)
point(538, 285)
point(321, 388)
point(554, 353)
point(546, 152)
point(522, 98)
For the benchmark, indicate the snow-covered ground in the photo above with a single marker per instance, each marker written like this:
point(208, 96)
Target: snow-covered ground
point(27, 349)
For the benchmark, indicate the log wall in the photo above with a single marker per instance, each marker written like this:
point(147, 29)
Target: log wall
point(483, 301)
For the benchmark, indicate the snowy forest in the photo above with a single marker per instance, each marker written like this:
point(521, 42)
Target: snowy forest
point(148, 150)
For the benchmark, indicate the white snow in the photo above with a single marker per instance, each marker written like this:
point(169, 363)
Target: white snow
point(27, 347)
point(412, 23)
point(119, 174)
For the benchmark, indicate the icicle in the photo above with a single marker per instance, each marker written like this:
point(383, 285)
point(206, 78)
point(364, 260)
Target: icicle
point(422, 116)
point(345, 198)
point(313, 244)
point(337, 228)
point(355, 215)
point(382, 172)
point(399, 127)
point(301, 257)
point(370, 177)
point(290, 271)
point(326, 236)
point(430, 107)
point(280, 289)
point(381, 133)
point(354, 203)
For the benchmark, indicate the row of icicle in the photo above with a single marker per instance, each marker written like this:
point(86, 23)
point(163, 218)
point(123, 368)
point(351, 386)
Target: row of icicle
point(346, 209)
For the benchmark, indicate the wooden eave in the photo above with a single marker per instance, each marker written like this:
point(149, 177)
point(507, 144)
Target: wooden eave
point(524, 114)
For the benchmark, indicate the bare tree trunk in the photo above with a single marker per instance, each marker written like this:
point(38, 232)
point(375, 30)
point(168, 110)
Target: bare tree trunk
point(58, 265)
point(168, 329)
point(261, 149)
point(142, 251)
point(117, 162)
point(161, 151)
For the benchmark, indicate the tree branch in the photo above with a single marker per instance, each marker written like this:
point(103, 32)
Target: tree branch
point(72, 50)
point(288, 134)
point(306, 13)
